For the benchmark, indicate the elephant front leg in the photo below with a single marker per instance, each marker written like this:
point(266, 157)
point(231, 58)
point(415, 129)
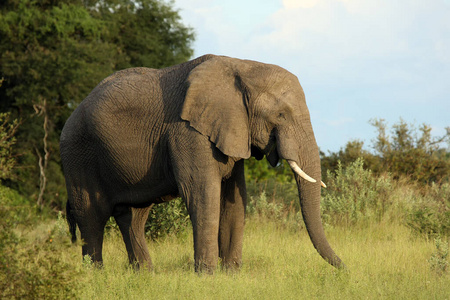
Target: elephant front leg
point(204, 210)
point(232, 213)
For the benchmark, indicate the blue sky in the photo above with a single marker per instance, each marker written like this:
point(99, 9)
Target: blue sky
point(356, 59)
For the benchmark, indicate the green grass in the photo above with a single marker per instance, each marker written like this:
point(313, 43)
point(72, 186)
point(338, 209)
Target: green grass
point(384, 262)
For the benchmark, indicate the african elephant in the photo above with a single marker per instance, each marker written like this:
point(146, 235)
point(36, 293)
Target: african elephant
point(145, 136)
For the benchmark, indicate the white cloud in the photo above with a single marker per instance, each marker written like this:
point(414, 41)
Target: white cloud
point(344, 28)
point(351, 39)
point(324, 36)
point(225, 27)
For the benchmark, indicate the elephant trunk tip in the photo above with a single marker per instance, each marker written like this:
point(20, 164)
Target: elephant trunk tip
point(327, 253)
point(336, 262)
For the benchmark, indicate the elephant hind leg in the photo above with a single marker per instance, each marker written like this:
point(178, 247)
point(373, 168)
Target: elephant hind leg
point(131, 222)
point(92, 236)
point(91, 221)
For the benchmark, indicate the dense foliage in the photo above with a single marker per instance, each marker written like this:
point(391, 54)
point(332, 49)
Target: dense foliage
point(53, 53)
point(7, 140)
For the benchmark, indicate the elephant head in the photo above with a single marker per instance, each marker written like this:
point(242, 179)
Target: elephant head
point(249, 108)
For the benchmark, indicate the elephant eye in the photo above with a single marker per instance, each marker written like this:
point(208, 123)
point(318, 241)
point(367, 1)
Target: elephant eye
point(284, 114)
point(281, 116)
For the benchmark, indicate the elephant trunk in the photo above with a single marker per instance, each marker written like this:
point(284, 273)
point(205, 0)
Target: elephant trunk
point(309, 194)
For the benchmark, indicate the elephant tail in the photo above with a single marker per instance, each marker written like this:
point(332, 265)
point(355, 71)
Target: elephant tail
point(72, 222)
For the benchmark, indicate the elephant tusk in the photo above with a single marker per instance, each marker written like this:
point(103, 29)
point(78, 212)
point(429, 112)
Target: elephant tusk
point(299, 171)
point(323, 184)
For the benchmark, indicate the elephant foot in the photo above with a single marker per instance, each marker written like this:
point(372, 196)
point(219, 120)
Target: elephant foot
point(137, 266)
point(203, 268)
point(231, 266)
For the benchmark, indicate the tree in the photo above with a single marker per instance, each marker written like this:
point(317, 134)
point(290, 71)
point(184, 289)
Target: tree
point(353, 150)
point(52, 54)
point(148, 31)
point(407, 151)
point(8, 129)
point(412, 152)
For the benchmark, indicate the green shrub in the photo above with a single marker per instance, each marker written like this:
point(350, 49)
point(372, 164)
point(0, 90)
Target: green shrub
point(277, 184)
point(430, 213)
point(439, 259)
point(261, 207)
point(25, 272)
point(164, 219)
point(167, 218)
point(284, 193)
point(353, 194)
point(15, 209)
point(261, 170)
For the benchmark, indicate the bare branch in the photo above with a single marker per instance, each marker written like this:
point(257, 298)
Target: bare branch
point(43, 161)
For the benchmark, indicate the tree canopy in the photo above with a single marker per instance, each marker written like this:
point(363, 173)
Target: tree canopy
point(53, 53)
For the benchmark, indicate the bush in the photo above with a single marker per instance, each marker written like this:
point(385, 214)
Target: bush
point(167, 218)
point(430, 213)
point(438, 260)
point(163, 219)
point(275, 191)
point(277, 184)
point(354, 194)
point(261, 207)
point(24, 272)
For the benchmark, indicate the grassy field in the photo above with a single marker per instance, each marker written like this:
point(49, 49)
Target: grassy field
point(383, 230)
point(384, 261)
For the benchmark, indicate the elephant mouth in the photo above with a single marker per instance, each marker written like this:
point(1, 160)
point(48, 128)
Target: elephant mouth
point(271, 154)
point(257, 153)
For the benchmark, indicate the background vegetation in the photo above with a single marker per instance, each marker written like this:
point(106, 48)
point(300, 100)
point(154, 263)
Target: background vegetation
point(386, 209)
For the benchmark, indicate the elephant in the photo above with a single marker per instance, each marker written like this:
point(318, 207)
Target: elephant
point(145, 136)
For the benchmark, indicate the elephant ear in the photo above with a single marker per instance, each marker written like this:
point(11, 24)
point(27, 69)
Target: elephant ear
point(215, 106)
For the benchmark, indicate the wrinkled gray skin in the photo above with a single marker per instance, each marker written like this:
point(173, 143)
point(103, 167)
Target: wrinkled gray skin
point(144, 136)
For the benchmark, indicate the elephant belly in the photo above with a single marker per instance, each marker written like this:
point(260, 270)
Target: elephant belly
point(156, 191)
point(139, 177)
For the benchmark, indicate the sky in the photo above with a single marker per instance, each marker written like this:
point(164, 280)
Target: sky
point(357, 60)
